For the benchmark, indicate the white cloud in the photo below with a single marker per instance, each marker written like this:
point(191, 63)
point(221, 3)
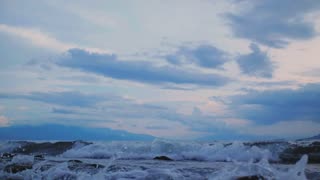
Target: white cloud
point(296, 59)
point(41, 39)
point(36, 37)
point(23, 108)
point(4, 121)
point(173, 130)
point(96, 17)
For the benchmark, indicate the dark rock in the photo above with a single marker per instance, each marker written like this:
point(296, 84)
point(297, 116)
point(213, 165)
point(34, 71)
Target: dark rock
point(7, 156)
point(44, 148)
point(312, 175)
point(39, 157)
point(295, 152)
point(163, 158)
point(75, 161)
point(14, 168)
point(253, 177)
point(118, 168)
point(227, 144)
point(46, 165)
point(316, 143)
point(79, 166)
point(143, 168)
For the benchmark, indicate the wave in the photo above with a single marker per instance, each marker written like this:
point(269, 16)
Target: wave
point(159, 159)
point(218, 151)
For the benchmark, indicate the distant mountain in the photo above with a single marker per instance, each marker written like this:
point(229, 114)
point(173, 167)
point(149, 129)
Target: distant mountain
point(317, 137)
point(62, 132)
point(232, 135)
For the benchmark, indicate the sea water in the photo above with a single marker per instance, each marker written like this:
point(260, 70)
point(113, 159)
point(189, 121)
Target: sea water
point(135, 160)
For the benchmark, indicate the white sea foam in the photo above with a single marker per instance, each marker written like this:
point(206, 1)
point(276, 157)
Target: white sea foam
point(263, 169)
point(198, 170)
point(134, 160)
point(22, 159)
point(8, 146)
point(236, 151)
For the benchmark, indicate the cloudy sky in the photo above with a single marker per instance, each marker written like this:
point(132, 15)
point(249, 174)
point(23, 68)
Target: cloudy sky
point(183, 69)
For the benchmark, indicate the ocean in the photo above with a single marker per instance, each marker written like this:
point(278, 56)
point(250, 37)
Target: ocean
point(160, 159)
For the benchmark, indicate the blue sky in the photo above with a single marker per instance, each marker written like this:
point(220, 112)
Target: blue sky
point(173, 69)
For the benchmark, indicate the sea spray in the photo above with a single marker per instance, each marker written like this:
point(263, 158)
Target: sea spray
point(175, 150)
point(134, 160)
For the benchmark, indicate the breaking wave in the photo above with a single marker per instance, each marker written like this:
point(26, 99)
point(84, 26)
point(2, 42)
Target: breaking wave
point(160, 159)
point(218, 151)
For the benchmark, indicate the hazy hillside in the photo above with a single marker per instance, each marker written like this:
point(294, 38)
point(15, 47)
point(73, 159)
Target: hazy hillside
point(61, 132)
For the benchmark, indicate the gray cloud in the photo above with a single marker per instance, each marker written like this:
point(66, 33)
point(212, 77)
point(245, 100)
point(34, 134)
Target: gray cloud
point(206, 56)
point(279, 105)
point(256, 63)
point(67, 98)
point(141, 71)
point(274, 22)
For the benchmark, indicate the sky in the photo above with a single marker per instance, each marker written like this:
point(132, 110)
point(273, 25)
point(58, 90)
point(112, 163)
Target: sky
point(182, 69)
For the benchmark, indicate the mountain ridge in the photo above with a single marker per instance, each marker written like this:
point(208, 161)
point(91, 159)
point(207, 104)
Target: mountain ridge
point(64, 132)
point(316, 137)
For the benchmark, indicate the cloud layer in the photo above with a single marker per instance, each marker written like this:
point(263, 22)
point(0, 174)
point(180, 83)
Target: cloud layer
point(206, 56)
point(151, 67)
point(257, 63)
point(274, 23)
point(66, 98)
point(140, 71)
point(272, 106)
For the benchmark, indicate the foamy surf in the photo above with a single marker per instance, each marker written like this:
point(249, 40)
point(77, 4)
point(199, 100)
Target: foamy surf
point(160, 159)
